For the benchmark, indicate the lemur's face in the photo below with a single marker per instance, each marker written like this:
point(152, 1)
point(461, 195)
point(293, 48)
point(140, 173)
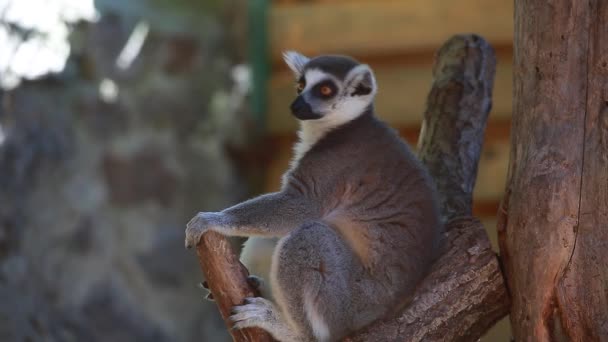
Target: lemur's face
point(330, 88)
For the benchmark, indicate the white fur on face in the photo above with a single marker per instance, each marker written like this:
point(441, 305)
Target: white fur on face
point(314, 76)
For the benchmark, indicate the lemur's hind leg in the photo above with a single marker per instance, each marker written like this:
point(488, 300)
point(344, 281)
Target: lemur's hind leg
point(315, 280)
point(313, 276)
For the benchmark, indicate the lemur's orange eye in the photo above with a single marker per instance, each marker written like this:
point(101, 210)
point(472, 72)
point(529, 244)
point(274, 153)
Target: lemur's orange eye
point(325, 90)
point(300, 87)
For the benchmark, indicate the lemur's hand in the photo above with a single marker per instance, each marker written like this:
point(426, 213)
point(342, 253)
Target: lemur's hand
point(201, 223)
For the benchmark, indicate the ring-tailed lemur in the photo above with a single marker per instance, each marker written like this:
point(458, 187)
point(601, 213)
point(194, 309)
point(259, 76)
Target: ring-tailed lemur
point(357, 215)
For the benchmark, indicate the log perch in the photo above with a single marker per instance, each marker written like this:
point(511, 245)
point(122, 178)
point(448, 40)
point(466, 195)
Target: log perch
point(464, 294)
point(462, 297)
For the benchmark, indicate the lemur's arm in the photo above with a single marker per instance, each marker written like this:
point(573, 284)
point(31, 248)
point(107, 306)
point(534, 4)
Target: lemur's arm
point(269, 215)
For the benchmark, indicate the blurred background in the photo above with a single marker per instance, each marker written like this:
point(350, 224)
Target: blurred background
point(119, 120)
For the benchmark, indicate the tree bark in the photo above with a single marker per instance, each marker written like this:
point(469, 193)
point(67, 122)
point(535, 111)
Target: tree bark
point(553, 222)
point(455, 120)
point(464, 294)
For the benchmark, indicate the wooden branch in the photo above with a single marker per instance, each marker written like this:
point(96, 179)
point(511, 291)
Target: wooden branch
point(464, 295)
point(553, 226)
point(227, 280)
point(455, 119)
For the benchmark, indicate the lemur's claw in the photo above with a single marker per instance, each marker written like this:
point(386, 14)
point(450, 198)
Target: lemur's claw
point(255, 281)
point(204, 286)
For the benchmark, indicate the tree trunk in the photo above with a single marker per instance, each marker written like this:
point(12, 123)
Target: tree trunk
point(553, 222)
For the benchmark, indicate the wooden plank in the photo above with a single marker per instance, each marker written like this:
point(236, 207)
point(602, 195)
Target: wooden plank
point(420, 57)
point(492, 173)
point(291, 2)
point(400, 100)
point(369, 28)
point(491, 176)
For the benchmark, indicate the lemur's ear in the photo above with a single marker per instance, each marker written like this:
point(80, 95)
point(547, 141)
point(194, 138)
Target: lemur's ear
point(361, 81)
point(295, 61)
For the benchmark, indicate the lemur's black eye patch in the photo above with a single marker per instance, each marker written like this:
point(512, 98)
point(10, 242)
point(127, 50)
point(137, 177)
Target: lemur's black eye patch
point(325, 89)
point(361, 90)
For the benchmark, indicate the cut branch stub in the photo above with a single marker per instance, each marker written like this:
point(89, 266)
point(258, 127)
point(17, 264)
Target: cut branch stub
point(455, 119)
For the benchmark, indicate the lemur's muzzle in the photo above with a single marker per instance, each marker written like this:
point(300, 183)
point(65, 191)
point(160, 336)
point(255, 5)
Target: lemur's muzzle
point(302, 110)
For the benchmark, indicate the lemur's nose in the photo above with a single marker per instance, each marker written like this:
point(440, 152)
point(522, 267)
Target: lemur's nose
point(299, 104)
point(302, 110)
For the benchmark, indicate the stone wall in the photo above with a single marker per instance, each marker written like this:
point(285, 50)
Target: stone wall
point(102, 166)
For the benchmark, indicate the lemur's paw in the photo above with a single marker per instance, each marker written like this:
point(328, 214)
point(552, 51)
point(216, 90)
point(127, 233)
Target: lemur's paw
point(198, 226)
point(209, 296)
point(255, 281)
point(254, 313)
